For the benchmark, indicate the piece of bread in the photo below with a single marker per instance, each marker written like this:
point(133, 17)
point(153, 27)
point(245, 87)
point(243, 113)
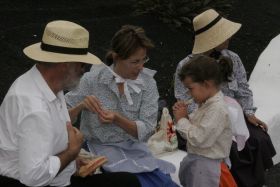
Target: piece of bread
point(91, 166)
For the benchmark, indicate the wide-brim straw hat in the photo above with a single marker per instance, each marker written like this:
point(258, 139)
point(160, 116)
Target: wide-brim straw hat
point(62, 41)
point(211, 30)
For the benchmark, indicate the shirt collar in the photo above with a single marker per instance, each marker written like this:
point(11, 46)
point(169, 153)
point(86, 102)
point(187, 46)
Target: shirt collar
point(215, 98)
point(108, 75)
point(43, 86)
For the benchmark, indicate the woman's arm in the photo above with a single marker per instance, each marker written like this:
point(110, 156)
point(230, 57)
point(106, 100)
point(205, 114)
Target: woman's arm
point(243, 94)
point(110, 117)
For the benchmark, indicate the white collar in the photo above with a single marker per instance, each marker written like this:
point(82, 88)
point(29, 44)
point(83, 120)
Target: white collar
point(131, 83)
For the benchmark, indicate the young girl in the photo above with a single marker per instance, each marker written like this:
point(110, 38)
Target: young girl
point(207, 130)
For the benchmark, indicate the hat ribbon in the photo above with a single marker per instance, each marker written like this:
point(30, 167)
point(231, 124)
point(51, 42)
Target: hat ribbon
point(212, 23)
point(65, 50)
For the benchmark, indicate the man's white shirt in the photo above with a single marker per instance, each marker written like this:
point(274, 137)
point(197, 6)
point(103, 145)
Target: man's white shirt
point(33, 130)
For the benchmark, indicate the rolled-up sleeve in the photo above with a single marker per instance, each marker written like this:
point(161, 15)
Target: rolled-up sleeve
point(148, 112)
point(37, 166)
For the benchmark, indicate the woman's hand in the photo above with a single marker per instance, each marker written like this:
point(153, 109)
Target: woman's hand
point(257, 122)
point(92, 104)
point(179, 110)
point(107, 116)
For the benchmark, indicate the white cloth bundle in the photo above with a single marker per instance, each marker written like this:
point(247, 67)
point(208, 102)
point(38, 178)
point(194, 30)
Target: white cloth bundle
point(164, 140)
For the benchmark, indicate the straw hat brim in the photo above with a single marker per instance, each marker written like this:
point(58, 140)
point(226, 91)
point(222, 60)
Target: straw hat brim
point(215, 36)
point(36, 53)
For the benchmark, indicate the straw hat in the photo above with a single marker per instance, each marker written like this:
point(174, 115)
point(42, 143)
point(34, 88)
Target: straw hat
point(211, 30)
point(63, 41)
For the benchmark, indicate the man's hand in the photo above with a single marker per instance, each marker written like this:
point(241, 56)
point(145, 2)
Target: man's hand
point(80, 162)
point(179, 110)
point(255, 121)
point(75, 140)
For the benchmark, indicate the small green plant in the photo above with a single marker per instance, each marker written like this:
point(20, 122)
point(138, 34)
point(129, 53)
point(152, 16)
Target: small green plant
point(180, 12)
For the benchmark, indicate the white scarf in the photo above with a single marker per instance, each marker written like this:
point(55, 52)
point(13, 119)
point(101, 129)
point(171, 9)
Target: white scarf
point(131, 83)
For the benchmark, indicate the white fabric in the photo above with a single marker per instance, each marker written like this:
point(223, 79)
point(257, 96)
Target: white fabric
point(239, 128)
point(164, 140)
point(131, 83)
point(208, 131)
point(265, 84)
point(175, 158)
point(33, 130)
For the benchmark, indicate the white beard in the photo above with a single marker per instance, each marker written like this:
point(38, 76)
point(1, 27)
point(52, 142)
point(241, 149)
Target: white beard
point(71, 80)
point(72, 85)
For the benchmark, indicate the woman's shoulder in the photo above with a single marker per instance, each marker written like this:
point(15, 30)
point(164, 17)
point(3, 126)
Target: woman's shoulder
point(96, 69)
point(184, 60)
point(147, 76)
point(96, 72)
point(231, 54)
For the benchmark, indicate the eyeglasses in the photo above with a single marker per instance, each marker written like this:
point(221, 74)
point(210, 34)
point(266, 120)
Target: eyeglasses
point(140, 62)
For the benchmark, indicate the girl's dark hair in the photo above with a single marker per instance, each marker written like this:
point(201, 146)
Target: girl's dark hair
point(201, 68)
point(126, 41)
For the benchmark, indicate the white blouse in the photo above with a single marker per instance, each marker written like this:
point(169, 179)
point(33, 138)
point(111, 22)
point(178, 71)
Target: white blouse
point(208, 130)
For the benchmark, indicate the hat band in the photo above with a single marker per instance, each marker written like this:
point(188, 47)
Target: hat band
point(211, 24)
point(65, 50)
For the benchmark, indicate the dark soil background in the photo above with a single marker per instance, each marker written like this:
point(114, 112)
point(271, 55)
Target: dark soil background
point(22, 23)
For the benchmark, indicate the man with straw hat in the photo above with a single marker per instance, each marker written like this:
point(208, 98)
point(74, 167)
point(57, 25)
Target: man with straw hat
point(212, 34)
point(38, 144)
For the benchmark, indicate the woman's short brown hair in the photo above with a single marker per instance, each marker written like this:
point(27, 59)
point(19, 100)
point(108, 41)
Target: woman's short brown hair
point(126, 41)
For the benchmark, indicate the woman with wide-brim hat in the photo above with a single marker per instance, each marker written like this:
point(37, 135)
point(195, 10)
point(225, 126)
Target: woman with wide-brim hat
point(212, 34)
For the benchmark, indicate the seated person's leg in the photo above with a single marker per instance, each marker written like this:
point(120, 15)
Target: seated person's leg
point(155, 178)
point(116, 179)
